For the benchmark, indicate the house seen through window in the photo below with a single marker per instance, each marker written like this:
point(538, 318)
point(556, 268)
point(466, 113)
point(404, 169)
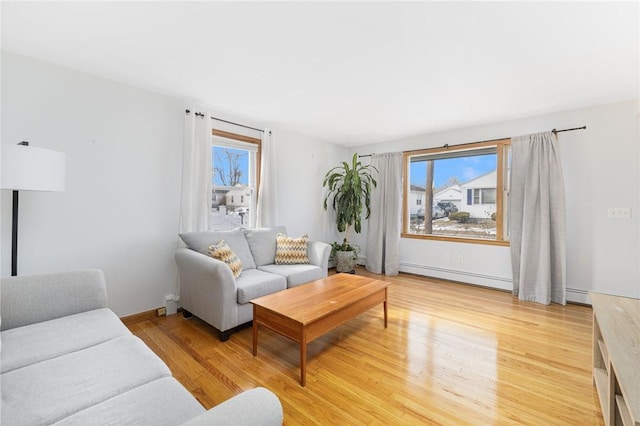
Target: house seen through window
point(233, 174)
point(457, 193)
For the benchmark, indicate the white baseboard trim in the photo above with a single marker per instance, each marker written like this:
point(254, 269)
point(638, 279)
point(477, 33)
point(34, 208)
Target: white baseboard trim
point(467, 277)
point(578, 295)
point(575, 295)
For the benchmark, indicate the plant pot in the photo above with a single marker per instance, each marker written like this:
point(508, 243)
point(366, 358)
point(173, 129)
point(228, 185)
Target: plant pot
point(345, 261)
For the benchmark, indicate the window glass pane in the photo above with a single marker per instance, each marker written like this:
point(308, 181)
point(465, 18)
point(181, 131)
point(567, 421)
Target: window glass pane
point(461, 182)
point(233, 183)
point(489, 196)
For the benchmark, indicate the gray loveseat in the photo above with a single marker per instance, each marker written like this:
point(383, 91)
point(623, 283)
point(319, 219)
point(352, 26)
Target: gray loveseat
point(66, 359)
point(209, 290)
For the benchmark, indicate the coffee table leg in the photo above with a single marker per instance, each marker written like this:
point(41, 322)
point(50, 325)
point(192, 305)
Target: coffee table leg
point(255, 332)
point(385, 308)
point(303, 363)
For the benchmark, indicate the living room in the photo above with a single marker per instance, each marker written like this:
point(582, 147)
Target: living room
point(122, 131)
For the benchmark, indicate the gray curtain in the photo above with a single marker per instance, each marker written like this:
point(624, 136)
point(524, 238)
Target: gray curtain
point(385, 221)
point(537, 220)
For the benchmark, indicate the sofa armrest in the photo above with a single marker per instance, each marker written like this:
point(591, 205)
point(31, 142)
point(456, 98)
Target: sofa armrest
point(318, 253)
point(257, 406)
point(207, 288)
point(31, 299)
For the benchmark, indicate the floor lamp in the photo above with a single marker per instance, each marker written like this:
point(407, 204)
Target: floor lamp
point(26, 168)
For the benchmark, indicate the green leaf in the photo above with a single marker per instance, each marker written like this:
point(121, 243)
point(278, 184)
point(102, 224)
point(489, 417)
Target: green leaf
point(349, 193)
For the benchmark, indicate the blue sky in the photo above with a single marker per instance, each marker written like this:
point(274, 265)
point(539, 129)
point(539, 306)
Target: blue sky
point(465, 168)
point(244, 164)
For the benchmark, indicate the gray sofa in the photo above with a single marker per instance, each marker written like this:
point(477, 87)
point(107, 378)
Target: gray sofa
point(209, 290)
point(66, 359)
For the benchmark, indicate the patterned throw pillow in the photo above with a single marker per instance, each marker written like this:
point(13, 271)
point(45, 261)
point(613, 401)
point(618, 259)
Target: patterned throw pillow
point(291, 251)
point(223, 252)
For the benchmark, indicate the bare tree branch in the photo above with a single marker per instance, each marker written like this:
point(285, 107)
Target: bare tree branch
point(227, 166)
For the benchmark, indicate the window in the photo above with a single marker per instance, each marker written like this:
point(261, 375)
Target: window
point(481, 195)
point(457, 193)
point(234, 170)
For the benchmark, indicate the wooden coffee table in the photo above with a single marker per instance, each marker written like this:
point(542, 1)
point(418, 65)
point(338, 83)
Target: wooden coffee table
point(306, 312)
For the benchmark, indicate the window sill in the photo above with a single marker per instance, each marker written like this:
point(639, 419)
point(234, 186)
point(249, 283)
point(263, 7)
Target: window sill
point(455, 239)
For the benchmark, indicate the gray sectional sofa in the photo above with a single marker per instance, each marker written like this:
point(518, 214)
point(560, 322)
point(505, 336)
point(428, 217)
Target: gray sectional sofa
point(209, 290)
point(66, 359)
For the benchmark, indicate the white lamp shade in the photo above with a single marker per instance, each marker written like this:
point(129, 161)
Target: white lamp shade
point(27, 168)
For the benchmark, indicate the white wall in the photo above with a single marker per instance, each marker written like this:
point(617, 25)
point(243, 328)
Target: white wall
point(600, 169)
point(303, 164)
point(124, 157)
point(120, 209)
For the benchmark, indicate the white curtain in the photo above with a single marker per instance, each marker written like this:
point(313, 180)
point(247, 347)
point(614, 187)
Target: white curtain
point(267, 204)
point(195, 200)
point(537, 220)
point(385, 221)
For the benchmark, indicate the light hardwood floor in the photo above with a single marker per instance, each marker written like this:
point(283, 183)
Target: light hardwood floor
point(453, 354)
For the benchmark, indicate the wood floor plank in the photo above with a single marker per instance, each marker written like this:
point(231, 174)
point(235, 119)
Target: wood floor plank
point(452, 354)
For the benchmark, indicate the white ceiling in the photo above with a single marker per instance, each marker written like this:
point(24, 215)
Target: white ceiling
point(348, 72)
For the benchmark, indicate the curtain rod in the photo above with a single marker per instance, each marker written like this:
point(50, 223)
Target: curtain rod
point(199, 114)
point(554, 131)
point(568, 130)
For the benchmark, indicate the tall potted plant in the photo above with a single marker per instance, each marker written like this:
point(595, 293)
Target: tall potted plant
point(349, 193)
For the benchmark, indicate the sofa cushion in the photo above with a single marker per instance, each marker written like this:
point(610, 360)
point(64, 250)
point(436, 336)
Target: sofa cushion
point(200, 242)
point(223, 252)
point(51, 390)
point(255, 283)
point(29, 299)
point(291, 251)
point(30, 344)
point(160, 402)
point(262, 242)
point(295, 274)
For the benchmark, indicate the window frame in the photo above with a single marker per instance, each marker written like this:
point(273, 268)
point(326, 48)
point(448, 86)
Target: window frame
point(502, 174)
point(246, 139)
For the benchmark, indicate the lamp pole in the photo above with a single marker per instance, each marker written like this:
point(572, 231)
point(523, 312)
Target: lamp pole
point(14, 235)
point(14, 229)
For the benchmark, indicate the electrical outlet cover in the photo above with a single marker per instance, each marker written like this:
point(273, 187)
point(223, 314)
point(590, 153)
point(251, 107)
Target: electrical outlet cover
point(619, 213)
